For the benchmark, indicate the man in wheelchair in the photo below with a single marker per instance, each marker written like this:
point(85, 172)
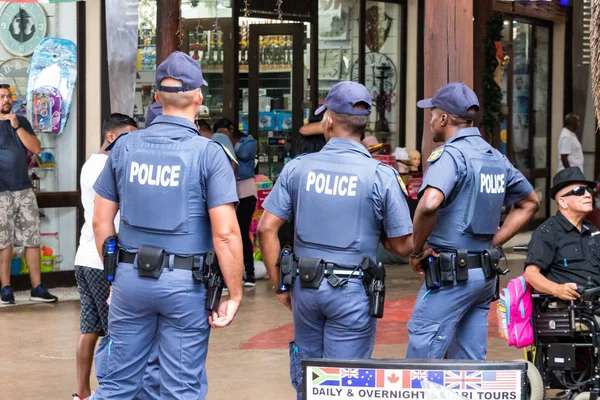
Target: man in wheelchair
point(565, 250)
point(563, 265)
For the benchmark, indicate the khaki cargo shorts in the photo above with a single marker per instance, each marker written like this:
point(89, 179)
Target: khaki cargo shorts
point(19, 219)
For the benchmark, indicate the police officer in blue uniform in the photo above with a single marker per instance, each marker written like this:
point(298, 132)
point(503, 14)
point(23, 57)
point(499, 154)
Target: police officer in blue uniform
point(464, 188)
point(342, 203)
point(176, 193)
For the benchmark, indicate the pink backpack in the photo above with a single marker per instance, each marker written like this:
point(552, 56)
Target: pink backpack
point(514, 313)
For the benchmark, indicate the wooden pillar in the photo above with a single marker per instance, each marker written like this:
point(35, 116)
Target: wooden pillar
point(168, 17)
point(448, 52)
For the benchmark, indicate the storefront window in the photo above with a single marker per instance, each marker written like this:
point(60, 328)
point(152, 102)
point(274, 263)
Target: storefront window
point(207, 28)
point(144, 84)
point(206, 37)
point(526, 88)
point(338, 43)
point(277, 86)
point(521, 94)
point(382, 63)
point(47, 100)
point(36, 42)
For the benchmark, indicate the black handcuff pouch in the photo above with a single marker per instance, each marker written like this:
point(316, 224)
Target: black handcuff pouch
point(150, 261)
point(311, 272)
point(446, 269)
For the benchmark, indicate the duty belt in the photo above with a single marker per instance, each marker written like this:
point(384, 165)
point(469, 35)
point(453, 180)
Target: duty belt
point(179, 262)
point(473, 260)
point(334, 269)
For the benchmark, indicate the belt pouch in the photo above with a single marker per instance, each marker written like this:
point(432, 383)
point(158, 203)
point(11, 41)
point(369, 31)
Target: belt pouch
point(486, 265)
point(311, 271)
point(432, 273)
point(462, 269)
point(446, 268)
point(150, 261)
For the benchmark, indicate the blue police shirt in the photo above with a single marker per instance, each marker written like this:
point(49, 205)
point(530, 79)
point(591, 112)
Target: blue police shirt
point(385, 204)
point(217, 185)
point(449, 174)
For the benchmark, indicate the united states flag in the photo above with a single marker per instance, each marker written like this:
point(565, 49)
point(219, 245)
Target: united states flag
point(499, 380)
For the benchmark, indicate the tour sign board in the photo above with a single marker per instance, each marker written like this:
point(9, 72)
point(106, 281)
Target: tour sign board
point(404, 379)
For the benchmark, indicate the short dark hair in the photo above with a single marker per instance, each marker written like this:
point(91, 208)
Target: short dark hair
point(223, 123)
point(571, 118)
point(202, 124)
point(115, 121)
point(310, 144)
point(353, 124)
point(4, 86)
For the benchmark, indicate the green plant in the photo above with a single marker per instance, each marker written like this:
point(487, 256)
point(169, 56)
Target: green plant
point(492, 93)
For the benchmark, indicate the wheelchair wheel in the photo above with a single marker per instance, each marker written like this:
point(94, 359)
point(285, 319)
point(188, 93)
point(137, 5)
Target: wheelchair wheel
point(535, 385)
point(583, 396)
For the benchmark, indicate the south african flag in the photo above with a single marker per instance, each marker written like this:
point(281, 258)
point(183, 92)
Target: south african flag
point(325, 376)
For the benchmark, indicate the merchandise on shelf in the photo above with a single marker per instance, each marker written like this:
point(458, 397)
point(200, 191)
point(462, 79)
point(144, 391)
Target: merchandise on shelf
point(53, 74)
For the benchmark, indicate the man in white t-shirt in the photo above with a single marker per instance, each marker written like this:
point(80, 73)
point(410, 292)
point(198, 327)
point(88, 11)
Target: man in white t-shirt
point(93, 287)
point(570, 153)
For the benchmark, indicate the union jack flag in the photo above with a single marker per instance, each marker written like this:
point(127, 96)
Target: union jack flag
point(464, 380)
point(420, 375)
point(349, 373)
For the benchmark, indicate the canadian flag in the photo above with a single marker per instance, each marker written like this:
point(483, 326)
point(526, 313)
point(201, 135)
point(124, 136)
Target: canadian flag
point(390, 378)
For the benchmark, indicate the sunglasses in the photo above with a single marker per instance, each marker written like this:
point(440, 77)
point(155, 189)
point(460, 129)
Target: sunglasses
point(579, 191)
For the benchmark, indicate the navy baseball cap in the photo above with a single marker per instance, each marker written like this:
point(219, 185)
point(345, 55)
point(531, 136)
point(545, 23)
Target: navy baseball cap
point(182, 67)
point(344, 96)
point(454, 98)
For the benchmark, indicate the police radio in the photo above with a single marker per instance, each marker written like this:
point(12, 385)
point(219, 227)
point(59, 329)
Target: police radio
point(286, 270)
point(110, 253)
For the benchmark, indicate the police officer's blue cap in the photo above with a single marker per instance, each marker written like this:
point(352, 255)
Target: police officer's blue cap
point(182, 67)
point(344, 96)
point(455, 98)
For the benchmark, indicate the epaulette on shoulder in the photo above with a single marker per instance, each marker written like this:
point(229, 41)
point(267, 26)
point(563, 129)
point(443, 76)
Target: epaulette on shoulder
point(546, 227)
point(231, 156)
point(436, 154)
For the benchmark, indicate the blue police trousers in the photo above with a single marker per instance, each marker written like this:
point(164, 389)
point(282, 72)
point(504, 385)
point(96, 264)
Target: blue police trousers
point(166, 315)
point(452, 319)
point(150, 388)
point(331, 323)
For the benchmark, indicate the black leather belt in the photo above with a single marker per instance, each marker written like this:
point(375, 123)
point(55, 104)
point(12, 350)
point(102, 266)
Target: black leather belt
point(474, 261)
point(187, 263)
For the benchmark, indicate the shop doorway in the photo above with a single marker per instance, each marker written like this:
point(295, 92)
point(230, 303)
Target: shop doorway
point(274, 98)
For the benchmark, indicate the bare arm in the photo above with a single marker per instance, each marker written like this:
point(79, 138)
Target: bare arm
point(103, 223)
point(534, 277)
point(270, 248)
point(521, 212)
point(228, 246)
point(31, 142)
point(565, 160)
point(402, 245)
point(425, 217)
